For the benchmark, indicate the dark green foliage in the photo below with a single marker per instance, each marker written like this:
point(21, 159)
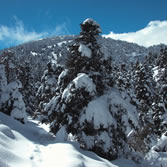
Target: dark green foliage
point(90, 27)
point(11, 101)
point(162, 58)
point(47, 89)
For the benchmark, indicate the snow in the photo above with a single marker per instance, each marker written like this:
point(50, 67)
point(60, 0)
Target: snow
point(6, 131)
point(133, 54)
point(4, 97)
point(14, 85)
point(60, 44)
point(54, 55)
point(61, 135)
point(157, 156)
point(85, 51)
point(9, 93)
point(117, 99)
point(62, 75)
point(30, 145)
point(34, 53)
point(51, 81)
point(83, 80)
point(19, 110)
point(156, 159)
point(124, 163)
point(19, 114)
point(103, 48)
point(155, 73)
point(49, 47)
point(66, 93)
point(130, 134)
point(97, 111)
point(91, 21)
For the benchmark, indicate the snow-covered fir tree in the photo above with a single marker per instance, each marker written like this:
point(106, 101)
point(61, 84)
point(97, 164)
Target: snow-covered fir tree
point(84, 104)
point(28, 88)
point(47, 89)
point(11, 100)
point(159, 107)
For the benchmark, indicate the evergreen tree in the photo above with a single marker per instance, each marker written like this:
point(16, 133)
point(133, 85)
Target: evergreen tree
point(47, 89)
point(28, 89)
point(85, 55)
point(11, 100)
point(83, 64)
point(82, 80)
point(162, 58)
point(144, 84)
point(159, 107)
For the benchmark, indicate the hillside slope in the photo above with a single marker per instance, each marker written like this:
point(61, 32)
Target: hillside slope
point(31, 145)
point(37, 53)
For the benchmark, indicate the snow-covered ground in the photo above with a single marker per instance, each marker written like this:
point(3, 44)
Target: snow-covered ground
point(30, 145)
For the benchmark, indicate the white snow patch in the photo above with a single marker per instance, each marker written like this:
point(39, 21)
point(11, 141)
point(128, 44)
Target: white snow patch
point(156, 159)
point(32, 146)
point(66, 93)
point(83, 80)
point(98, 113)
point(155, 73)
point(54, 55)
point(133, 54)
point(61, 135)
point(4, 97)
point(19, 114)
point(34, 53)
point(85, 51)
point(7, 131)
point(49, 47)
point(60, 44)
point(117, 99)
point(63, 73)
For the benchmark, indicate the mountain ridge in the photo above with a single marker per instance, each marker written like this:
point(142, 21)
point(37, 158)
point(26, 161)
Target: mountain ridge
point(56, 48)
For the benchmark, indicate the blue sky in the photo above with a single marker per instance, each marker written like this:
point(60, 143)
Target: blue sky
point(24, 20)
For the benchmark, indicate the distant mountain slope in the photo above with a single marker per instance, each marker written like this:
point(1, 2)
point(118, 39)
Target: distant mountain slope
point(37, 53)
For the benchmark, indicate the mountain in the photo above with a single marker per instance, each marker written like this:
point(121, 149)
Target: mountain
point(37, 53)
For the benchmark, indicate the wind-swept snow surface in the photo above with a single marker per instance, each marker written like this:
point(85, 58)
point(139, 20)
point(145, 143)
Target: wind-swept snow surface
point(30, 145)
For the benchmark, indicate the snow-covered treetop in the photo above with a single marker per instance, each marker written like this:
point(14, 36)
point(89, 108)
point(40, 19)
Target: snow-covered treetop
point(89, 25)
point(90, 21)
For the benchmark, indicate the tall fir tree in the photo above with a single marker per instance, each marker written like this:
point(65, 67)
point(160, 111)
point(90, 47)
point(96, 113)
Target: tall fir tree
point(11, 100)
point(79, 85)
